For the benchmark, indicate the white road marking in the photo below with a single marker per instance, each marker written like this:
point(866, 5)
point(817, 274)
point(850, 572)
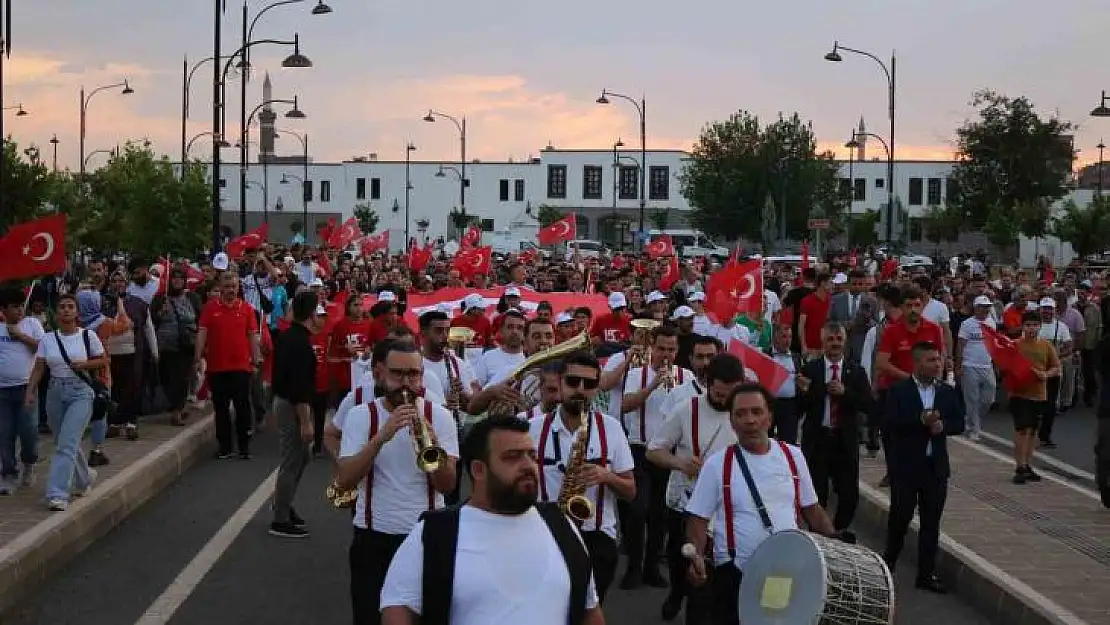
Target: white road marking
point(1008, 460)
point(162, 610)
point(1045, 458)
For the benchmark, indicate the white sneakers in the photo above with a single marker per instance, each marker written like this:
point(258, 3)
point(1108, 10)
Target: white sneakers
point(61, 505)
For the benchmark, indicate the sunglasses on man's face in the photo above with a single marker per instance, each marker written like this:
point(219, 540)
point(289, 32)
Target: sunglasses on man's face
point(574, 381)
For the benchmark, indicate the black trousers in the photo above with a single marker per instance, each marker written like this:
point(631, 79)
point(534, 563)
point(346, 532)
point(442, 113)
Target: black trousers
point(319, 417)
point(785, 427)
point(175, 369)
point(603, 556)
point(1044, 432)
point(926, 493)
point(724, 583)
point(369, 556)
point(228, 388)
point(834, 458)
point(699, 599)
point(1087, 360)
point(127, 389)
point(647, 514)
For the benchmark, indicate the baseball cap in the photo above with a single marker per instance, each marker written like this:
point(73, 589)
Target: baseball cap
point(982, 300)
point(617, 300)
point(220, 262)
point(696, 296)
point(682, 312)
point(840, 278)
point(512, 292)
point(655, 296)
point(472, 301)
point(1048, 302)
point(387, 296)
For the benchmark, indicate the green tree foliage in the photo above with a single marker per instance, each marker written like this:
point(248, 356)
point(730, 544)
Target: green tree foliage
point(27, 185)
point(1012, 164)
point(861, 228)
point(548, 215)
point(941, 223)
point(737, 164)
point(1086, 228)
point(367, 218)
point(660, 219)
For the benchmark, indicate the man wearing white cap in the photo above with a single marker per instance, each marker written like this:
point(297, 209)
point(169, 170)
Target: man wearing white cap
point(614, 327)
point(839, 283)
point(973, 365)
point(474, 317)
point(657, 305)
point(1056, 332)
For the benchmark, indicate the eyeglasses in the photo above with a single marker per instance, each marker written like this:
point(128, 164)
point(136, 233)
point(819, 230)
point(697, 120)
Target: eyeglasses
point(412, 374)
point(574, 381)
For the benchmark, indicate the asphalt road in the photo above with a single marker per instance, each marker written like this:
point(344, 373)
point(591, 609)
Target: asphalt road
point(263, 580)
point(1074, 433)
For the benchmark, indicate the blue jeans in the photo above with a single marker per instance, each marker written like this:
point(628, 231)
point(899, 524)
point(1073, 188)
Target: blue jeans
point(69, 403)
point(17, 422)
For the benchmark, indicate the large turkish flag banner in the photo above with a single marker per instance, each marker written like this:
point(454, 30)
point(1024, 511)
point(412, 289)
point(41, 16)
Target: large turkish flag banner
point(34, 248)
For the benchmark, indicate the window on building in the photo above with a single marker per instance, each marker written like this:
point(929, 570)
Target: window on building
point(591, 182)
point(307, 185)
point(557, 181)
point(860, 193)
point(916, 191)
point(846, 188)
point(518, 190)
point(223, 183)
point(880, 183)
point(933, 191)
point(325, 191)
point(504, 190)
point(659, 182)
point(629, 182)
point(360, 188)
point(375, 188)
point(487, 225)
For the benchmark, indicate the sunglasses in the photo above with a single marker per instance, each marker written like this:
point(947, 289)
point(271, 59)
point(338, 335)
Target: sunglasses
point(574, 381)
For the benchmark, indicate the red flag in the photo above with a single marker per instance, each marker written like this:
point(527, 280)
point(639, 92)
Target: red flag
point(735, 289)
point(249, 241)
point(474, 261)
point(564, 229)
point(771, 374)
point(527, 256)
point(1049, 275)
point(670, 275)
point(374, 242)
point(419, 257)
point(34, 248)
point(345, 236)
point(193, 277)
point(327, 231)
point(472, 237)
point(853, 260)
point(1017, 370)
point(325, 264)
point(164, 279)
point(617, 262)
point(661, 246)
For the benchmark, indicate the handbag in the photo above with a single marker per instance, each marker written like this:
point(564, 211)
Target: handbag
point(103, 406)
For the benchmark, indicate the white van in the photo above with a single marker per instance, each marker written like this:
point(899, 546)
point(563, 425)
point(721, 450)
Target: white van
point(693, 243)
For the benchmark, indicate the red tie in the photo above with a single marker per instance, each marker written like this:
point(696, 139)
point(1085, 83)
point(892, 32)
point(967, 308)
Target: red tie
point(834, 408)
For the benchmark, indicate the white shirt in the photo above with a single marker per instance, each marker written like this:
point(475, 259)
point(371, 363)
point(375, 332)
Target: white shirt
point(937, 312)
point(16, 359)
point(508, 569)
point(145, 292)
point(400, 489)
point(975, 354)
point(366, 383)
point(677, 432)
point(681, 395)
point(868, 350)
point(618, 460)
point(826, 420)
point(641, 378)
point(616, 394)
point(495, 361)
point(1055, 332)
point(75, 349)
point(306, 273)
point(439, 370)
point(771, 474)
point(772, 303)
point(928, 395)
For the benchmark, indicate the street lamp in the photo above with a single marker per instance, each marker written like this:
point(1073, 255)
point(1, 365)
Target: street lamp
point(127, 90)
point(443, 169)
point(1100, 147)
point(409, 149)
point(1101, 110)
point(200, 135)
point(85, 161)
point(304, 200)
point(293, 113)
point(891, 75)
point(19, 112)
point(187, 73)
point(303, 139)
point(463, 182)
point(54, 143)
point(616, 169)
point(641, 109)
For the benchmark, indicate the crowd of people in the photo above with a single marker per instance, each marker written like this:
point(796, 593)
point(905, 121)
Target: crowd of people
point(576, 435)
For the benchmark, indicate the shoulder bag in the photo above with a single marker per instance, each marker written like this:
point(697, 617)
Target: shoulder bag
point(103, 406)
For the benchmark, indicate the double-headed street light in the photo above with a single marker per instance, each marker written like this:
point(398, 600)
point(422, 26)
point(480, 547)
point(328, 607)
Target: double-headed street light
point(293, 113)
point(641, 109)
point(127, 90)
point(303, 139)
point(463, 182)
point(19, 112)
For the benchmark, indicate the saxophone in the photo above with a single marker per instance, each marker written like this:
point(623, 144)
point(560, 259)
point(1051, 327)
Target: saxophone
point(572, 496)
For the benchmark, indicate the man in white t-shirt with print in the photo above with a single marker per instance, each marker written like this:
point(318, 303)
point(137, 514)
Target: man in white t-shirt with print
point(19, 340)
point(974, 369)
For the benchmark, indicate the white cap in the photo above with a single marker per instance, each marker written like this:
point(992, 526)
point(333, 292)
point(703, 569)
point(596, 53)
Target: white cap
point(387, 296)
point(290, 260)
point(655, 296)
point(1048, 302)
point(512, 292)
point(696, 296)
point(473, 301)
point(1086, 284)
point(682, 312)
point(840, 278)
point(617, 300)
point(445, 308)
point(316, 282)
point(982, 300)
point(564, 317)
point(321, 309)
point(220, 262)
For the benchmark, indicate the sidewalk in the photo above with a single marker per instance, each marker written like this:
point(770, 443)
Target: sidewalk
point(34, 542)
point(1037, 553)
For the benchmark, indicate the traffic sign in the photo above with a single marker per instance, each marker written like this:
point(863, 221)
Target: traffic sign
point(818, 224)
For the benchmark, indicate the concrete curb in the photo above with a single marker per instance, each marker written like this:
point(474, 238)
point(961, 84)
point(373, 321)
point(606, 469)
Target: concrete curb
point(29, 560)
point(997, 595)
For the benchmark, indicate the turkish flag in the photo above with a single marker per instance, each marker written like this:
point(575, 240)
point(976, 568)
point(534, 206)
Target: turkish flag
point(1017, 370)
point(527, 256)
point(660, 246)
point(249, 241)
point(735, 289)
point(346, 235)
point(374, 242)
point(562, 230)
point(327, 231)
point(193, 277)
point(472, 237)
point(670, 275)
point(474, 261)
point(34, 248)
point(419, 257)
point(771, 374)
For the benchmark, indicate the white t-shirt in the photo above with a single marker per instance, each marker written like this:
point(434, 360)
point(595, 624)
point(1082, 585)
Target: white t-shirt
point(677, 432)
point(640, 378)
point(937, 312)
point(1055, 332)
point(618, 459)
point(400, 489)
point(306, 273)
point(16, 359)
point(75, 349)
point(617, 392)
point(975, 353)
point(772, 303)
point(508, 569)
point(495, 361)
point(145, 292)
point(339, 417)
point(439, 370)
point(771, 474)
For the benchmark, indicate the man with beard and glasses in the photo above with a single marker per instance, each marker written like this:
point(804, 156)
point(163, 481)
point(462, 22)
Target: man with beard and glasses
point(494, 559)
point(377, 456)
point(692, 432)
point(607, 472)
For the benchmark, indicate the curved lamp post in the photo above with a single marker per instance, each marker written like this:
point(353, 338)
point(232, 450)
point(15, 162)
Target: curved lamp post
point(641, 109)
point(303, 139)
point(293, 113)
point(127, 90)
point(463, 182)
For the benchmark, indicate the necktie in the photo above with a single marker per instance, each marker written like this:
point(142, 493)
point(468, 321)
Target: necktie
point(851, 306)
point(834, 409)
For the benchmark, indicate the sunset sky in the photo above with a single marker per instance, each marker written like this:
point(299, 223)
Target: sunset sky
point(528, 73)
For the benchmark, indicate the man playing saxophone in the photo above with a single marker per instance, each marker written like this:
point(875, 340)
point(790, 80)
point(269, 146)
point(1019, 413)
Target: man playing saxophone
point(604, 470)
point(377, 456)
point(455, 374)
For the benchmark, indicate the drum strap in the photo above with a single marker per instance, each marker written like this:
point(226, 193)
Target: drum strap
point(726, 482)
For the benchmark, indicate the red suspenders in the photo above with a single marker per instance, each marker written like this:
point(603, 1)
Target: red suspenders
point(694, 404)
point(358, 397)
point(369, 476)
point(603, 444)
point(726, 484)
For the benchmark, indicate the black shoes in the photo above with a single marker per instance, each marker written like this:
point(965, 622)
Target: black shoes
point(671, 607)
point(288, 530)
point(932, 583)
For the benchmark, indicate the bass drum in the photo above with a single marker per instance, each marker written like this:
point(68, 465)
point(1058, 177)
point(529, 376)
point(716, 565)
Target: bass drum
point(799, 578)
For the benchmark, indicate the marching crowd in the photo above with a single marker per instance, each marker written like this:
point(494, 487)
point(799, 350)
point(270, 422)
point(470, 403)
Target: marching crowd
point(636, 423)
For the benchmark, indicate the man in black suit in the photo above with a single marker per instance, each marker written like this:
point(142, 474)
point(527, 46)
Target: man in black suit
point(835, 391)
point(920, 413)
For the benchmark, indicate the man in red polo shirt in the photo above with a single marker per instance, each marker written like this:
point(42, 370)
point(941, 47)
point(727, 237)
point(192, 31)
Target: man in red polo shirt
point(813, 312)
point(228, 343)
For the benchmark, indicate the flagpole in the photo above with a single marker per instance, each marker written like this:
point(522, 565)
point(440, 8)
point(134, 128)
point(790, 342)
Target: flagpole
point(30, 291)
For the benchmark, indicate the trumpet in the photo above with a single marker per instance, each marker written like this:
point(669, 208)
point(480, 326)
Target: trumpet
point(457, 340)
point(641, 339)
point(668, 375)
point(428, 455)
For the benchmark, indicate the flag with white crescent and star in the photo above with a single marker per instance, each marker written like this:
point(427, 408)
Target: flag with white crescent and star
point(735, 289)
point(561, 230)
point(34, 248)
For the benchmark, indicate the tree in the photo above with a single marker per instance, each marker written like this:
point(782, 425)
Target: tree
point(1012, 164)
point(548, 215)
point(1086, 228)
point(26, 187)
point(861, 229)
point(737, 164)
point(941, 223)
point(367, 218)
point(660, 219)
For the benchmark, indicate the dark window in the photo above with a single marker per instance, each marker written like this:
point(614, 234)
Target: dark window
point(916, 191)
point(880, 183)
point(933, 190)
point(223, 183)
point(325, 191)
point(659, 182)
point(487, 225)
point(916, 230)
point(307, 185)
point(860, 189)
point(846, 188)
point(504, 190)
point(375, 188)
point(591, 182)
point(518, 190)
point(556, 181)
point(951, 189)
point(629, 182)
point(360, 188)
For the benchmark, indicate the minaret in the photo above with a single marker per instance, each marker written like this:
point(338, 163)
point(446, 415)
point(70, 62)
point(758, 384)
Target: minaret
point(861, 153)
point(266, 119)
